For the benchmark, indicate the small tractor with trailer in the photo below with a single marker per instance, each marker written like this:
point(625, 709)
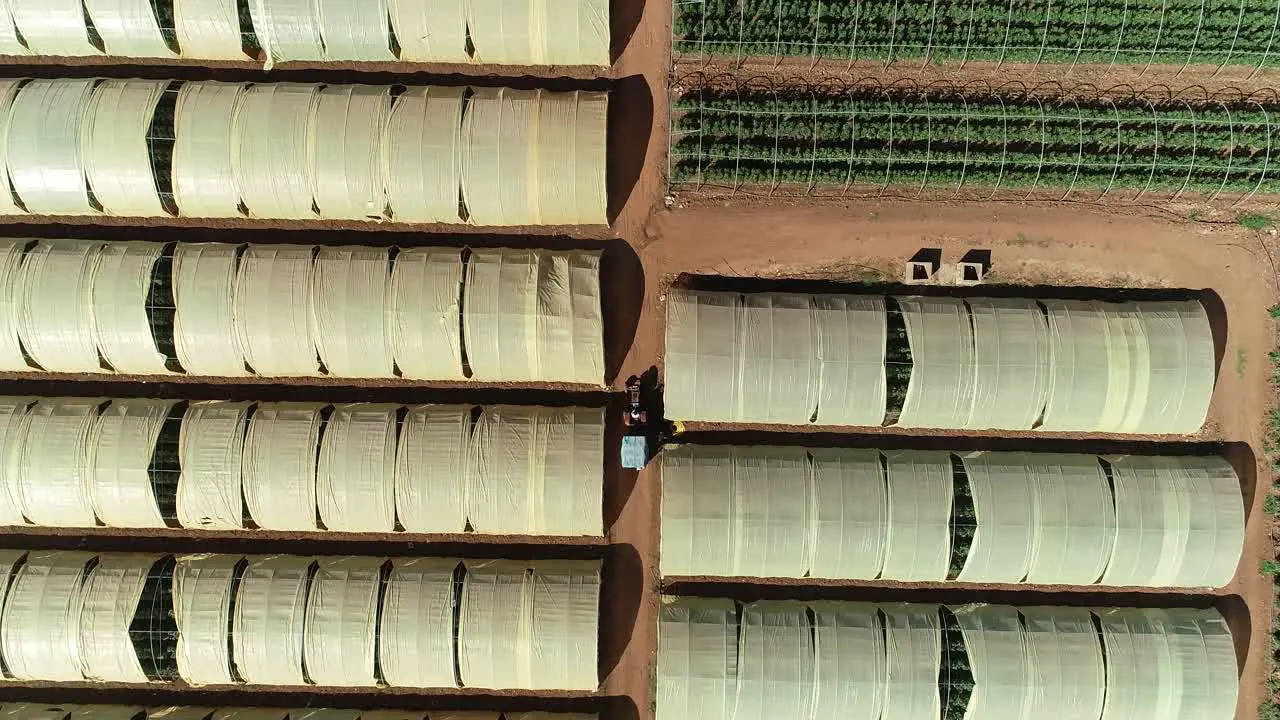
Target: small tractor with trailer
point(644, 428)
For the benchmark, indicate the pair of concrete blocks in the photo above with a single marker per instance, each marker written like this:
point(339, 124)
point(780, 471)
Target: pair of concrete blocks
point(926, 268)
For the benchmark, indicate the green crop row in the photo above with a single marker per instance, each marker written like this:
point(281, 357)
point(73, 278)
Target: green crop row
point(1233, 32)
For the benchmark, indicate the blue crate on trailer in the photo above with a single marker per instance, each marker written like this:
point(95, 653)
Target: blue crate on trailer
point(635, 452)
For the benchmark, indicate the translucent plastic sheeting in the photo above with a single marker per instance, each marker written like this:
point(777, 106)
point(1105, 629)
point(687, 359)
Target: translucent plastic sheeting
point(494, 634)
point(422, 148)
point(121, 445)
point(40, 626)
point(850, 514)
point(701, 358)
point(202, 610)
point(8, 91)
point(940, 393)
point(121, 316)
point(13, 437)
point(1011, 353)
point(1080, 348)
point(918, 546)
point(10, 44)
point(771, 507)
point(697, 659)
point(280, 465)
point(430, 473)
point(993, 639)
point(851, 333)
point(205, 145)
point(11, 253)
point(355, 475)
point(542, 32)
point(112, 590)
point(560, 181)
point(1129, 374)
point(117, 146)
point(776, 672)
point(1075, 520)
point(348, 175)
point(128, 28)
point(431, 30)
point(341, 621)
point(272, 142)
point(415, 647)
point(536, 471)
point(697, 529)
point(267, 625)
point(564, 599)
point(273, 298)
point(425, 335)
point(1002, 489)
point(52, 477)
point(1064, 659)
point(1183, 366)
point(1180, 522)
point(55, 305)
point(44, 146)
point(779, 368)
point(355, 29)
point(850, 674)
point(208, 29)
point(534, 316)
point(351, 306)
point(211, 453)
point(204, 328)
point(1221, 679)
point(913, 657)
point(53, 27)
point(1156, 664)
point(287, 30)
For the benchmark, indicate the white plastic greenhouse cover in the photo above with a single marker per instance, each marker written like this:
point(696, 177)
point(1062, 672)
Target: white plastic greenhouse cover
point(348, 174)
point(121, 445)
point(13, 437)
point(9, 42)
point(1011, 345)
point(994, 642)
point(1182, 367)
point(8, 91)
point(128, 28)
point(208, 29)
point(112, 590)
point(1222, 680)
point(47, 125)
point(564, 609)
point(351, 311)
point(1180, 522)
point(701, 357)
point(287, 29)
point(341, 621)
point(913, 658)
point(271, 146)
point(534, 316)
point(204, 330)
point(431, 30)
point(211, 454)
point(776, 671)
point(771, 507)
point(1075, 520)
point(121, 323)
point(40, 626)
point(424, 298)
point(280, 465)
point(354, 29)
point(430, 474)
point(1002, 489)
point(55, 305)
point(202, 610)
point(850, 514)
point(52, 479)
point(536, 471)
point(850, 674)
point(779, 364)
point(940, 393)
point(422, 149)
point(268, 620)
point(851, 335)
point(11, 252)
point(53, 27)
point(494, 634)
point(273, 310)
point(540, 32)
point(355, 475)
point(697, 528)
point(117, 145)
point(918, 546)
point(697, 659)
point(1081, 347)
point(415, 647)
point(204, 147)
point(559, 181)
point(1067, 678)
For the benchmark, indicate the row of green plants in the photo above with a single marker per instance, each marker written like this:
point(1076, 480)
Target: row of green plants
point(1233, 32)
point(955, 678)
point(750, 137)
point(1270, 708)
